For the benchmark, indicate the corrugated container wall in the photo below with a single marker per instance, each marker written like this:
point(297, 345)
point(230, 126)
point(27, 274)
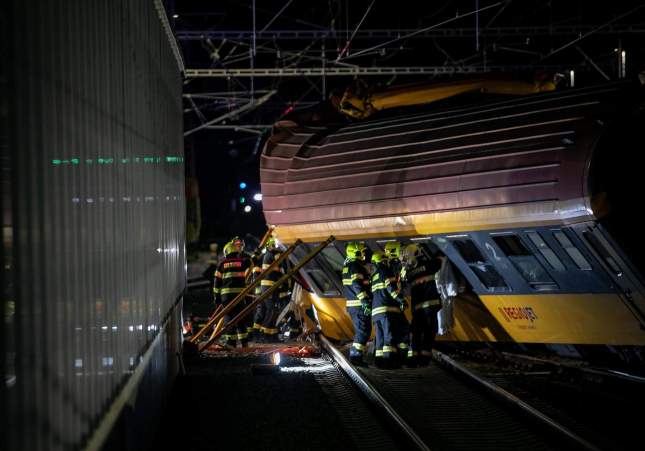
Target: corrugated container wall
point(93, 212)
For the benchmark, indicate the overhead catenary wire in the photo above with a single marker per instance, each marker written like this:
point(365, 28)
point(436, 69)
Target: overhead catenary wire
point(422, 30)
point(276, 16)
point(349, 41)
point(595, 30)
point(253, 103)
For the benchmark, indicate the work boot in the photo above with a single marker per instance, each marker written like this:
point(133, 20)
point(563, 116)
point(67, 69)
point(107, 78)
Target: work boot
point(356, 359)
point(271, 338)
point(391, 363)
point(423, 360)
point(411, 362)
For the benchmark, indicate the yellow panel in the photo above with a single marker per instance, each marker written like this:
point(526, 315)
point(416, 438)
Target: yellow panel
point(333, 317)
point(473, 322)
point(566, 318)
point(521, 215)
point(563, 318)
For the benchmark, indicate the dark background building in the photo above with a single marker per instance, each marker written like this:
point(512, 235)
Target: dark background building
point(93, 99)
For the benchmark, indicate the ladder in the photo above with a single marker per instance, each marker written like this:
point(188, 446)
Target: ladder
point(220, 313)
point(220, 329)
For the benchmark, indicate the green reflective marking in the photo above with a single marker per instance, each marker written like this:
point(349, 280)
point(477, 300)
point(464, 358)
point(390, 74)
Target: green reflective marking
point(56, 162)
point(89, 161)
point(75, 161)
point(125, 160)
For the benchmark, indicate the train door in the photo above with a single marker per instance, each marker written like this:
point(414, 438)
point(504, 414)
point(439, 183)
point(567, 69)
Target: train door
point(624, 275)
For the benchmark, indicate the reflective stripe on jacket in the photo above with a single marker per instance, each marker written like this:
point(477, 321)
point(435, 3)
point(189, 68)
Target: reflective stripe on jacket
point(230, 277)
point(356, 284)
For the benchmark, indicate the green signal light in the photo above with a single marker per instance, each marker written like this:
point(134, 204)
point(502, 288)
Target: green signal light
point(242, 200)
point(56, 162)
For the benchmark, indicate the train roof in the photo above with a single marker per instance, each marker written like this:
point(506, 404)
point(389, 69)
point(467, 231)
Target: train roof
point(511, 163)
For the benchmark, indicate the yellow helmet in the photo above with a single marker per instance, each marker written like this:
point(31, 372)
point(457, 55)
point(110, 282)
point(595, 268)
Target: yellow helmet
point(270, 243)
point(229, 248)
point(355, 250)
point(378, 257)
point(238, 243)
point(393, 249)
point(410, 251)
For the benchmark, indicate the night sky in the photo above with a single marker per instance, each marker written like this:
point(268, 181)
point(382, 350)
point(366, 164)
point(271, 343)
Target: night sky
point(222, 161)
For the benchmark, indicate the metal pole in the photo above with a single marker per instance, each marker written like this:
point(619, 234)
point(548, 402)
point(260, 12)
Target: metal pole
point(253, 50)
point(264, 296)
point(477, 25)
point(245, 292)
point(324, 79)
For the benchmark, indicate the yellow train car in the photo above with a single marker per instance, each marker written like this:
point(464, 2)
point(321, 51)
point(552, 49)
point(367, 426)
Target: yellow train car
point(533, 199)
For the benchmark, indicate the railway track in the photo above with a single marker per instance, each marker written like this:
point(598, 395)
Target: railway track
point(451, 408)
point(595, 403)
point(324, 402)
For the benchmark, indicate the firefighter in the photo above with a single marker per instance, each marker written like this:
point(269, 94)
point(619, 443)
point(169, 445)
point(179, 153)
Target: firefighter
point(278, 300)
point(387, 314)
point(420, 274)
point(393, 255)
point(356, 284)
point(230, 280)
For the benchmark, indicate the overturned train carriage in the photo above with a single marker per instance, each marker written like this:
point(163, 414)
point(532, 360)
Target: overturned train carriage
point(533, 199)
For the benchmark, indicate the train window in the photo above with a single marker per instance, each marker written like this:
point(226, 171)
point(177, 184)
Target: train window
point(469, 251)
point(484, 270)
point(322, 282)
point(573, 252)
point(544, 249)
point(525, 262)
point(334, 258)
point(317, 272)
point(603, 252)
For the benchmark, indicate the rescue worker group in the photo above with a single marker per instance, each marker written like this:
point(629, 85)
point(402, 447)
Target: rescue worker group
point(375, 299)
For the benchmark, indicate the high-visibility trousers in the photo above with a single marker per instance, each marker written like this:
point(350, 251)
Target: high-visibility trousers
point(362, 330)
point(424, 327)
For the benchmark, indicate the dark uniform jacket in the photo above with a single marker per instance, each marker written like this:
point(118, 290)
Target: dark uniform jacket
point(385, 291)
point(421, 279)
point(356, 284)
point(274, 276)
point(230, 277)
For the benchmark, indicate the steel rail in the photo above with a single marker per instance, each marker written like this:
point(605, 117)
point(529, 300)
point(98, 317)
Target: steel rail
point(500, 393)
point(372, 394)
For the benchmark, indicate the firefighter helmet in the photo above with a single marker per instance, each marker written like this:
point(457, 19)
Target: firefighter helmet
point(355, 250)
point(378, 257)
point(270, 243)
point(393, 249)
point(238, 243)
point(410, 253)
point(229, 249)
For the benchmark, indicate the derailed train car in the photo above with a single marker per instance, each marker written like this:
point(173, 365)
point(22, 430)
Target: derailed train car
point(534, 200)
